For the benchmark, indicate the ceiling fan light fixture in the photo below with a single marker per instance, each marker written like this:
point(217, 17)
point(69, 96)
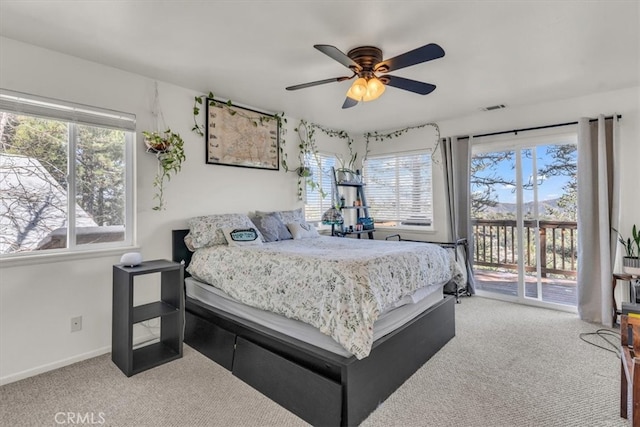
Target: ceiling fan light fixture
point(375, 88)
point(358, 89)
point(366, 61)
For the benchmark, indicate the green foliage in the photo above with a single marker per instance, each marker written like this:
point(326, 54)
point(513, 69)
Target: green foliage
point(307, 147)
point(563, 163)
point(485, 197)
point(99, 161)
point(631, 244)
point(379, 137)
point(169, 150)
point(42, 139)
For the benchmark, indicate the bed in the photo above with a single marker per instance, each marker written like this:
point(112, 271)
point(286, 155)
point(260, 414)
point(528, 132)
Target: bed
point(323, 385)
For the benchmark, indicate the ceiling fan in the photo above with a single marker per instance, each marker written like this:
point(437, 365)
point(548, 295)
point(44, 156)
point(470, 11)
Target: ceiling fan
point(366, 62)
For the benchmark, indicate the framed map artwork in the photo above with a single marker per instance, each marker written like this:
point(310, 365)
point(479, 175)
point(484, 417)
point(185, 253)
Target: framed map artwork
point(238, 136)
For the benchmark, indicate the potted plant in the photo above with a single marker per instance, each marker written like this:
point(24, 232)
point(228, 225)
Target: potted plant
point(169, 150)
point(345, 173)
point(304, 171)
point(631, 261)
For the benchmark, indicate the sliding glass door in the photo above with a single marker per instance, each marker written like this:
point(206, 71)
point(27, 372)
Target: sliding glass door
point(524, 219)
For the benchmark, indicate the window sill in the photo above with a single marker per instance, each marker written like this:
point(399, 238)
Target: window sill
point(33, 259)
point(409, 229)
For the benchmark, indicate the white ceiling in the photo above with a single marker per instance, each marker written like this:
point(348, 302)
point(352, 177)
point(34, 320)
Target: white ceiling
point(497, 52)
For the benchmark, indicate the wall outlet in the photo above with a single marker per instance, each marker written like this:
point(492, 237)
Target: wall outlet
point(76, 324)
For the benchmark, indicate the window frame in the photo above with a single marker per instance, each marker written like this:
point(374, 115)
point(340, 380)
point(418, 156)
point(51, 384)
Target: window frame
point(398, 222)
point(73, 115)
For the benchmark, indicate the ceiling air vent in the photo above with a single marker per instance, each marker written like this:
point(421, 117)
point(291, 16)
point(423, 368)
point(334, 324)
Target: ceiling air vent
point(494, 107)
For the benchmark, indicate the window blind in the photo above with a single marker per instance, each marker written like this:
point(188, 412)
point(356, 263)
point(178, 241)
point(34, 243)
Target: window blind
point(315, 204)
point(399, 188)
point(33, 105)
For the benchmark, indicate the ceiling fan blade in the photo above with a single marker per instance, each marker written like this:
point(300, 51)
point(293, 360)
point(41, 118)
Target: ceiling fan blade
point(336, 54)
point(416, 56)
point(349, 102)
point(319, 82)
point(410, 85)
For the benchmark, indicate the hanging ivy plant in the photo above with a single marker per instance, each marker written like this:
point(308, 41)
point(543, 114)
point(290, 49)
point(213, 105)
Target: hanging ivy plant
point(169, 150)
point(307, 146)
point(396, 133)
point(281, 120)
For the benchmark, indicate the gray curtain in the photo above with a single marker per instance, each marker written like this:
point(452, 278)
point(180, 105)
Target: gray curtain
point(597, 213)
point(456, 156)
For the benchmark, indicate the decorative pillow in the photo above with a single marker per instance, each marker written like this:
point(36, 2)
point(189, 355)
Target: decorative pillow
point(296, 215)
point(188, 242)
point(271, 226)
point(207, 230)
point(242, 236)
point(302, 230)
point(287, 217)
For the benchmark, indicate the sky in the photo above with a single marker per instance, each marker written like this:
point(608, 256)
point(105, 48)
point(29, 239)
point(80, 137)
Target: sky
point(549, 187)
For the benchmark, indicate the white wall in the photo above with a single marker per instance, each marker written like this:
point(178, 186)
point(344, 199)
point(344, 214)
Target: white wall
point(37, 301)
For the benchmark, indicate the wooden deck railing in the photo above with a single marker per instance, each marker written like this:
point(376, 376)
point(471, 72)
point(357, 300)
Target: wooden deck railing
point(496, 245)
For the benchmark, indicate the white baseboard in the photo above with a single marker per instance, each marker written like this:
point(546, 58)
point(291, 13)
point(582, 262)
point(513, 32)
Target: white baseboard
point(51, 366)
point(65, 362)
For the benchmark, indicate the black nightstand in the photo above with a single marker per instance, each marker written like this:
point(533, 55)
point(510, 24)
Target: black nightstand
point(170, 310)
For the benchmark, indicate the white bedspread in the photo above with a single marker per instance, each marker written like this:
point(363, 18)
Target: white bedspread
point(338, 285)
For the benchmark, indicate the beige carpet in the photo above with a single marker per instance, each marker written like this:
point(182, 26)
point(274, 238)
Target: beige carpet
point(509, 365)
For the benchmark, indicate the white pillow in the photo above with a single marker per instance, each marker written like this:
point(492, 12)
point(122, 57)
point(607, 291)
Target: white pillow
point(207, 230)
point(242, 236)
point(302, 230)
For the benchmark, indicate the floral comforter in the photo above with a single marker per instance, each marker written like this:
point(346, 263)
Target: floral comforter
point(340, 286)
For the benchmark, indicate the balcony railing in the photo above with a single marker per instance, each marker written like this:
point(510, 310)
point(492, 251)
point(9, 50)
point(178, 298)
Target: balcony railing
point(496, 245)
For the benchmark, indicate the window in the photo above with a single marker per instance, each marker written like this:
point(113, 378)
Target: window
point(399, 189)
point(65, 176)
point(316, 205)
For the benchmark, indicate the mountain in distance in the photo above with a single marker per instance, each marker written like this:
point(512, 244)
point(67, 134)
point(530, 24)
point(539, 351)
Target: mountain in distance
point(509, 209)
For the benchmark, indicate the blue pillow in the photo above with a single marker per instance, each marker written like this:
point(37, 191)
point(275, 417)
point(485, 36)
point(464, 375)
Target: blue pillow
point(271, 226)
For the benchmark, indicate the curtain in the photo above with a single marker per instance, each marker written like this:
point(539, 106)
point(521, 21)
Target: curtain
point(456, 156)
point(597, 213)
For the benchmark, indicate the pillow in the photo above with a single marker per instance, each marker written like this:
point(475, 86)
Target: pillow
point(287, 217)
point(302, 230)
point(296, 215)
point(242, 236)
point(271, 226)
point(207, 230)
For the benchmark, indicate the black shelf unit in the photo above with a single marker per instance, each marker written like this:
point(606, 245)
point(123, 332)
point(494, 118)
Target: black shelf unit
point(170, 310)
point(362, 210)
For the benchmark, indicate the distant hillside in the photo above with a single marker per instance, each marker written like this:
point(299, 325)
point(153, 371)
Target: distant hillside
point(509, 209)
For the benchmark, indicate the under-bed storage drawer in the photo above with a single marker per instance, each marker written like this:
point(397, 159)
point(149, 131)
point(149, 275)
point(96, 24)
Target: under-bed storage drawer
point(312, 397)
point(211, 340)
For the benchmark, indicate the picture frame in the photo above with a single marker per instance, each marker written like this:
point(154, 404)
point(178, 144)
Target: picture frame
point(242, 137)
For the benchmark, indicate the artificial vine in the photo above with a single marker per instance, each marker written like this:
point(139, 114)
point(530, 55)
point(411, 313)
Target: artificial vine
point(306, 134)
point(342, 135)
point(307, 146)
point(396, 133)
point(228, 105)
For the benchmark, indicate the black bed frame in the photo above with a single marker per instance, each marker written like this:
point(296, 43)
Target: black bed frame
point(322, 388)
